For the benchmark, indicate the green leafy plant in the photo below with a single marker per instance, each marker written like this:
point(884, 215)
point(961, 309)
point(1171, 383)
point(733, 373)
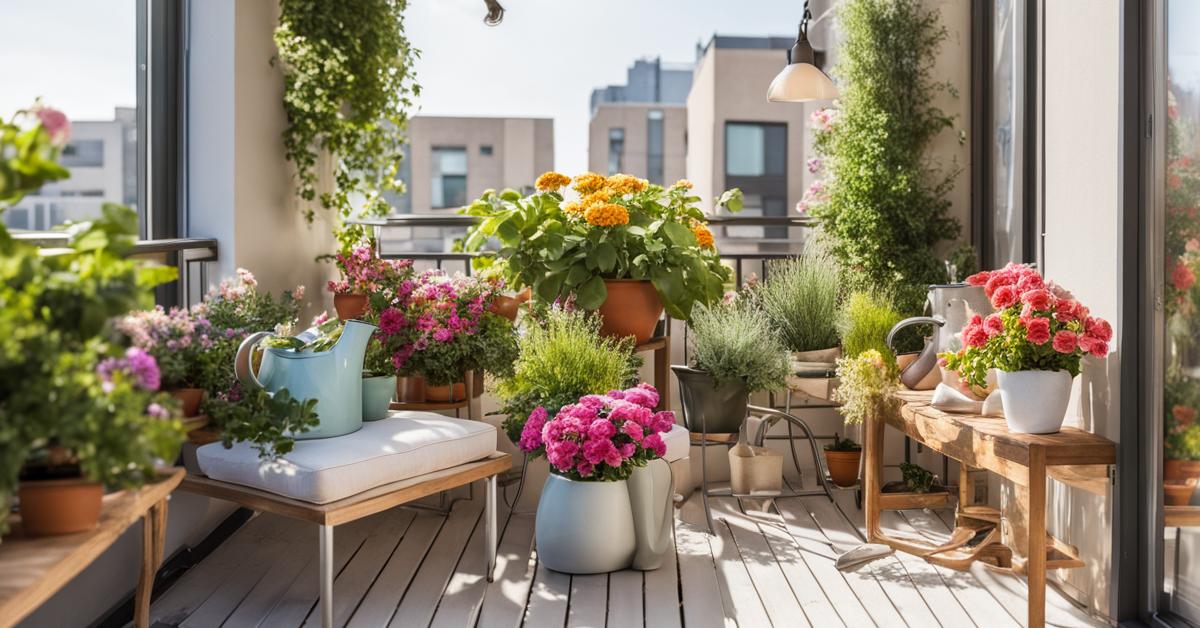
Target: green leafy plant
point(620, 227)
point(842, 444)
point(800, 298)
point(1181, 431)
point(734, 341)
point(265, 420)
point(30, 156)
point(867, 386)
point(864, 322)
point(348, 82)
point(883, 204)
point(562, 358)
point(916, 478)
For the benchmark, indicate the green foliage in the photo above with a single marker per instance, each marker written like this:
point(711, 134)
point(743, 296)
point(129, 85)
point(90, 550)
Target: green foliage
point(266, 420)
point(30, 157)
point(561, 359)
point(1181, 431)
point(348, 82)
point(866, 386)
point(886, 206)
point(628, 230)
point(916, 478)
point(865, 321)
point(842, 444)
point(800, 298)
point(735, 341)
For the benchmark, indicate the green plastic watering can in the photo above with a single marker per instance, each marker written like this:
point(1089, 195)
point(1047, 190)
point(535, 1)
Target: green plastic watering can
point(333, 377)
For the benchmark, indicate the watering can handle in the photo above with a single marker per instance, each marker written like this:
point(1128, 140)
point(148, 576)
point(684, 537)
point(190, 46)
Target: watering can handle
point(915, 320)
point(243, 363)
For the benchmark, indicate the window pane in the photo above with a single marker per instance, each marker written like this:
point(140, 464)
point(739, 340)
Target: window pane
point(91, 78)
point(448, 167)
point(616, 150)
point(744, 150)
point(775, 158)
point(654, 146)
point(1007, 218)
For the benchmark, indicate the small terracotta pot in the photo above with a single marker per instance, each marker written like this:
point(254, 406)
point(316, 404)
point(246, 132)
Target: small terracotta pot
point(843, 466)
point(350, 306)
point(631, 309)
point(190, 399)
point(505, 306)
point(1181, 470)
point(449, 392)
point(410, 389)
point(50, 507)
point(1178, 494)
point(524, 295)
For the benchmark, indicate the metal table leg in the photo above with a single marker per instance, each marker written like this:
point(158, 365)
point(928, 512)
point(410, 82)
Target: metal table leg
point(326, 542)
point(489, 516)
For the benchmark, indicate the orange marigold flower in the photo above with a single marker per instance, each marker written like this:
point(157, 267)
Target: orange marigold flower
point(598, 197)
point(589, 182)
point(704, 237)
point(626, 184)
point(683, 183)
point(607, 215)
point(573, 208)
point(551, 181)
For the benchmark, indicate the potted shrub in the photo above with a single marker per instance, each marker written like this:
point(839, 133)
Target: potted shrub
point(585, 523)
point(800, 298)
point(620, 246)
point(864, 322)
point(179, 343)
point(842, 458)
point(734, 353)
point(359, 269)
point(562, 357)
point(379, 381)
point(1035, 340)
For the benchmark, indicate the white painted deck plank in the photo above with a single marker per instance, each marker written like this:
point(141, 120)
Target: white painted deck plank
point(384, 596)
point(767, 577)
point(814, 596)
point(702, 597)
point(934, 589)
point(505, 598)
point(588, 606)
point(548, 598)
point(662, 594)
point(420, 601)
point(625, 602)
point(270, 589)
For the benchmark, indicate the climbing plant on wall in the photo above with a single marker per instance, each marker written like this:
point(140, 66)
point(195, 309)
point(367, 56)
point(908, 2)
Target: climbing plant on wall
point(883, 202)
point(348, 83)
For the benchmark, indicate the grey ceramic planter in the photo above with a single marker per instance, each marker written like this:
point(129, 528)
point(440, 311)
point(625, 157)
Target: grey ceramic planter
point(651, 493)
point(584, 527)
point(719, 409)
point(377, 393)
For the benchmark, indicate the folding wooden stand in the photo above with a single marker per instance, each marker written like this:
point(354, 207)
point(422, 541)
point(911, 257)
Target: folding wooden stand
point(1074, 457)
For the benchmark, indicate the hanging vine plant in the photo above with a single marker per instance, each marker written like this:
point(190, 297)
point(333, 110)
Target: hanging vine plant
point(348, 83)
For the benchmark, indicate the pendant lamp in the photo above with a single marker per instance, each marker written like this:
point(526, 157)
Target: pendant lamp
point(801, 80)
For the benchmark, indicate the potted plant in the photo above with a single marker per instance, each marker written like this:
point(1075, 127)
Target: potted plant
point(842, 458)
point(864, 322)
point(1035, 340)
point(379, 381)
point(800, 298)
point(734, 353)
point(1181, 431)
point(178, 341)
point(360, 271)
point(620, 246)
point(914, 479)
point(562, 357)
point(593, 446)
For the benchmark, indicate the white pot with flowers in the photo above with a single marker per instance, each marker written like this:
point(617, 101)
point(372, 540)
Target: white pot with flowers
point(1035, 340)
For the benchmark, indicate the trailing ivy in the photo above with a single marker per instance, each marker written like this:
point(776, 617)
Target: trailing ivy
point(885, 207)
point(348, 83)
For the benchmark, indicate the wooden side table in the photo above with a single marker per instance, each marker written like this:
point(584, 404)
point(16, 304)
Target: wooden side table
point(32, 569)
point(661, 346)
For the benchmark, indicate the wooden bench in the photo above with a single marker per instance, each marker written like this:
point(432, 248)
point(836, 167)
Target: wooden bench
point(330, 515)
point(1072, 456)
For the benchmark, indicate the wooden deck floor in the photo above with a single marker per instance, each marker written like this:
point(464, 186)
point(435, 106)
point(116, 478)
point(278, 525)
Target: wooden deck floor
point(402, 568)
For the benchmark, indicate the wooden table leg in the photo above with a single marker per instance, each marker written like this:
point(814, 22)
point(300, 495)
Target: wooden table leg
point(872, 475)
point(154, 531)
point(1035, 568)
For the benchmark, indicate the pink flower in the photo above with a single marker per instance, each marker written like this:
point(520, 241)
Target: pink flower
point(993, 325)
point(298, 292)
point(1098, 328)
point(654, 443)
point(55, 123)
point(1030, 281)
point(1058, 291)
point(391, 321)
point(662, 421)
point(157, 411)
point(1182, 277)
point(597, 451)
point(531, 434)
point(627, 451)
point(1093, 345)
point(974, 336)
point(1184, 415)
point(1037, 330)
point(978, 279)
point(1065, 310)
point(584, 468)
point(602, 429)
point(643, 395)
point(1038, 299)
point(1065, 341)
point(1004, 296)
point(813, 165)
point(246, 277)
point(632, 430)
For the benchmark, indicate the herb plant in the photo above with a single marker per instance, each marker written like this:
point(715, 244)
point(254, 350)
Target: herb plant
point(266, 420)
point(916, 478)
point(867, 385)
point(843, 444)
point(865, 321)
point(734, 341)
point(800, 298)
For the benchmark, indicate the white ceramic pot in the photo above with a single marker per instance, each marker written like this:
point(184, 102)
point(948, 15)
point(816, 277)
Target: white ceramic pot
point(1035, 402)
point(584, 527)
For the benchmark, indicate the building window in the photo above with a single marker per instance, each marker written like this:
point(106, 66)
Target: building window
point(84, 154)
point(654, 146)
point(756, 162)
point(449, 186)
point(485, 150)
point(616, 150)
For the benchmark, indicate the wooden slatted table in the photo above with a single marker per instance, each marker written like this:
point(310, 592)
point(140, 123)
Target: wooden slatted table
point(32, 569)
point(1072, 456)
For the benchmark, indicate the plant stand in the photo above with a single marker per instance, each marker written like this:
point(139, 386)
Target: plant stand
point(456, 406)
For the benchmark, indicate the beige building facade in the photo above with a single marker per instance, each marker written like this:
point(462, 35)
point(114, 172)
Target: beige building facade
point(648, 140)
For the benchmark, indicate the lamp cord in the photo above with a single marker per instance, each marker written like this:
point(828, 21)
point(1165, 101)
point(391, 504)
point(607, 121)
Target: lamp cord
point(804, 18)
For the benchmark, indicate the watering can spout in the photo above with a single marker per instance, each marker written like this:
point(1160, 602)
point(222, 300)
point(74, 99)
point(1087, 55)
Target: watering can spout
point(354, 341)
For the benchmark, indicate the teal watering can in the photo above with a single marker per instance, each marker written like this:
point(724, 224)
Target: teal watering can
point(333, 377)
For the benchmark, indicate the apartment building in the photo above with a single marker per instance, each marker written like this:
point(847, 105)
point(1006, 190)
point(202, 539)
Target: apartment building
point(641, 127)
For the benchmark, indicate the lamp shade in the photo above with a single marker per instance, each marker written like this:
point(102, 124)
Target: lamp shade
point(801, 82)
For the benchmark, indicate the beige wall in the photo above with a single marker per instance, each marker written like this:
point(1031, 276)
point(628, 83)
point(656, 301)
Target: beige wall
point(950, 150)
point(522, 149)
point(633, 118)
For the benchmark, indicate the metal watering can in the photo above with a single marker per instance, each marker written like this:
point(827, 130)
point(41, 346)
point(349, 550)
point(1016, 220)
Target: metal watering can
point(950, 307)
point(333, 377)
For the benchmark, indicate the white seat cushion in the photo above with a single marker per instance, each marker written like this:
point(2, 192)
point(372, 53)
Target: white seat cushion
point(402, 446)
point(679, 443)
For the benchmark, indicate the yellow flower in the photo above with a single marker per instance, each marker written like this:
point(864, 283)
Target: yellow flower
point(683, 183)
point(573, 208)
point(626, 184)
point(551, 181)
point(607, 215)
point(589, 182)
point(598, 197)
point(704, 237)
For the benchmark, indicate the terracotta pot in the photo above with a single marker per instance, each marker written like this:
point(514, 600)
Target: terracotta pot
point(1178, 493)
point(410, 388)
point(1181, 470)
point(505, 306)
point(524, 295)
point(443, 393)
point(350, 306)
point(631, 309)
point(50, 507)
point(190, 399)
point(843, 466)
